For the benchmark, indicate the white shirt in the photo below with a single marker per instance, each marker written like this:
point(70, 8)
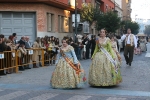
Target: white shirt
point(128, 40)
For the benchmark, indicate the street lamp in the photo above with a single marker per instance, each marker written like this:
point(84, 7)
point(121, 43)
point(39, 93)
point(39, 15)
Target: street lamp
point(75, 20)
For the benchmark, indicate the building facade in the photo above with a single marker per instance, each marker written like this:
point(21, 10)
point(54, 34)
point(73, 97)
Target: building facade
point(126, 7)
point(107, 5)
point(104, 6)
point(37, 18)
point(118, 8)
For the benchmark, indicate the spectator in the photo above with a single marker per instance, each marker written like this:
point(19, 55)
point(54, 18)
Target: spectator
point(15, 38)
point(22, 53)
point(27, 57)
point(86, 42)
point(2, 49)
point(36, 45)
point(27, 43)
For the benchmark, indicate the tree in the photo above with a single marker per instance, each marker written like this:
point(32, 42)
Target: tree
point(134, 26)
point(110, 21)
point(89, 13)
point(147, 29)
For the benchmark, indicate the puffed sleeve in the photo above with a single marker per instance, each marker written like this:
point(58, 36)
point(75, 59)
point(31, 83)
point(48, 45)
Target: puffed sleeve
point(96, 50)
point(109, 48)
point(75, 60)
point(58, 57)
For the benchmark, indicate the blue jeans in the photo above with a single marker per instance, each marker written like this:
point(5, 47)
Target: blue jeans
point(79, 53)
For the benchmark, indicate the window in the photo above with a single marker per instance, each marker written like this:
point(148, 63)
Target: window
point(50, 22)
point(85, 28)
point(63, 24)
point(106, 8)
point(66, 24)
point(83, 1)
point(60, 23)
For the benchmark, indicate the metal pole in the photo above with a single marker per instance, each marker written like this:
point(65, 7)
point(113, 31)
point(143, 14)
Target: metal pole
point(75, 20)
point(114, 5)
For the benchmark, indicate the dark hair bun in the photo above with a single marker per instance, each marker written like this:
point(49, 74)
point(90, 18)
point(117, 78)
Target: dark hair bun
point(66, 39)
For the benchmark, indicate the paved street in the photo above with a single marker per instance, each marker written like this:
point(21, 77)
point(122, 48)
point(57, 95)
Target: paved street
point(33, 84)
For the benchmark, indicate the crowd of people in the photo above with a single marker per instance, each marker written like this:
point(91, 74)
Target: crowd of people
point(49, 44)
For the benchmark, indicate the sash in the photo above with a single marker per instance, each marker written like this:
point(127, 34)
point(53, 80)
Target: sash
point(109, 58)
point(77, 69)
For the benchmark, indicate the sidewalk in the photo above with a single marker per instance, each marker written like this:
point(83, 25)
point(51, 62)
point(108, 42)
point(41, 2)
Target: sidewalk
point(35, 82)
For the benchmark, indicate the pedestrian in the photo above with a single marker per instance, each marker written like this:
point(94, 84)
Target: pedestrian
point(138, 50)
point(143, 43)
point(130, 45)
point(93, 43)
point(103, 70)
point(86, 43)
point(68, 73)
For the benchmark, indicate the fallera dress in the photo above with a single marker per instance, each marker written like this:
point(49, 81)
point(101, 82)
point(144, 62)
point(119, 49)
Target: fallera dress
point(143, 45)
point(116, 53)
point(102, 71)
point(64, 76)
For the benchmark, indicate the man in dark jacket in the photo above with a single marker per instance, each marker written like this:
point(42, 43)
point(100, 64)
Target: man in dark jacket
point(2, 49)
point(86, 42)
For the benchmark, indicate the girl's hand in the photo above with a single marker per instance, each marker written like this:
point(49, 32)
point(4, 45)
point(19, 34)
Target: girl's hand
point(76, 65)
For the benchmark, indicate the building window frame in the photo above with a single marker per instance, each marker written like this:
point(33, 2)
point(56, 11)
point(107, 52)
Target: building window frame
point(50, 22)
point(63, 24)
point(86, 28)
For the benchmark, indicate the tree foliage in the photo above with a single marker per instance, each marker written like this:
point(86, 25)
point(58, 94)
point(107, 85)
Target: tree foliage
point(110, 21)
point(147, 29)
point(134, 26)
point(89, 13)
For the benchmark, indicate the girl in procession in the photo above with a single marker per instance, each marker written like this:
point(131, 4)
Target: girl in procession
point(115, 51)
point(104, 70)
point(68, 72)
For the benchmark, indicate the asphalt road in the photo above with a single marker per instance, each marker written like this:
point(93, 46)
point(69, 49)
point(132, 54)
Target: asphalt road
point(33, 84)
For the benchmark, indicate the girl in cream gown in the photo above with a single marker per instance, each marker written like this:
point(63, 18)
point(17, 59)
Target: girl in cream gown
point(104, 70)
point(115, 51)
point(67, 75)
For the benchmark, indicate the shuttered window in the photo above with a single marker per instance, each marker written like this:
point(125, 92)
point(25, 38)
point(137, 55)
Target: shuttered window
point(50, 22)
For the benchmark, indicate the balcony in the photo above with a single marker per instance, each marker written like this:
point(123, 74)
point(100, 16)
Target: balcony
point(62, 4)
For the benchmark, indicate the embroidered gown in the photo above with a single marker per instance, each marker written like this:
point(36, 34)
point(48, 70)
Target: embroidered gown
point(64, 76)
point(116, 53)
point(143, 45)
point(102, 72)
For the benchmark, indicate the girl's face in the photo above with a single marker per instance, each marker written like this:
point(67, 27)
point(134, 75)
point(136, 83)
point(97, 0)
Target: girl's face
point(64, 43)
point(112, 39)
point(102, 34)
